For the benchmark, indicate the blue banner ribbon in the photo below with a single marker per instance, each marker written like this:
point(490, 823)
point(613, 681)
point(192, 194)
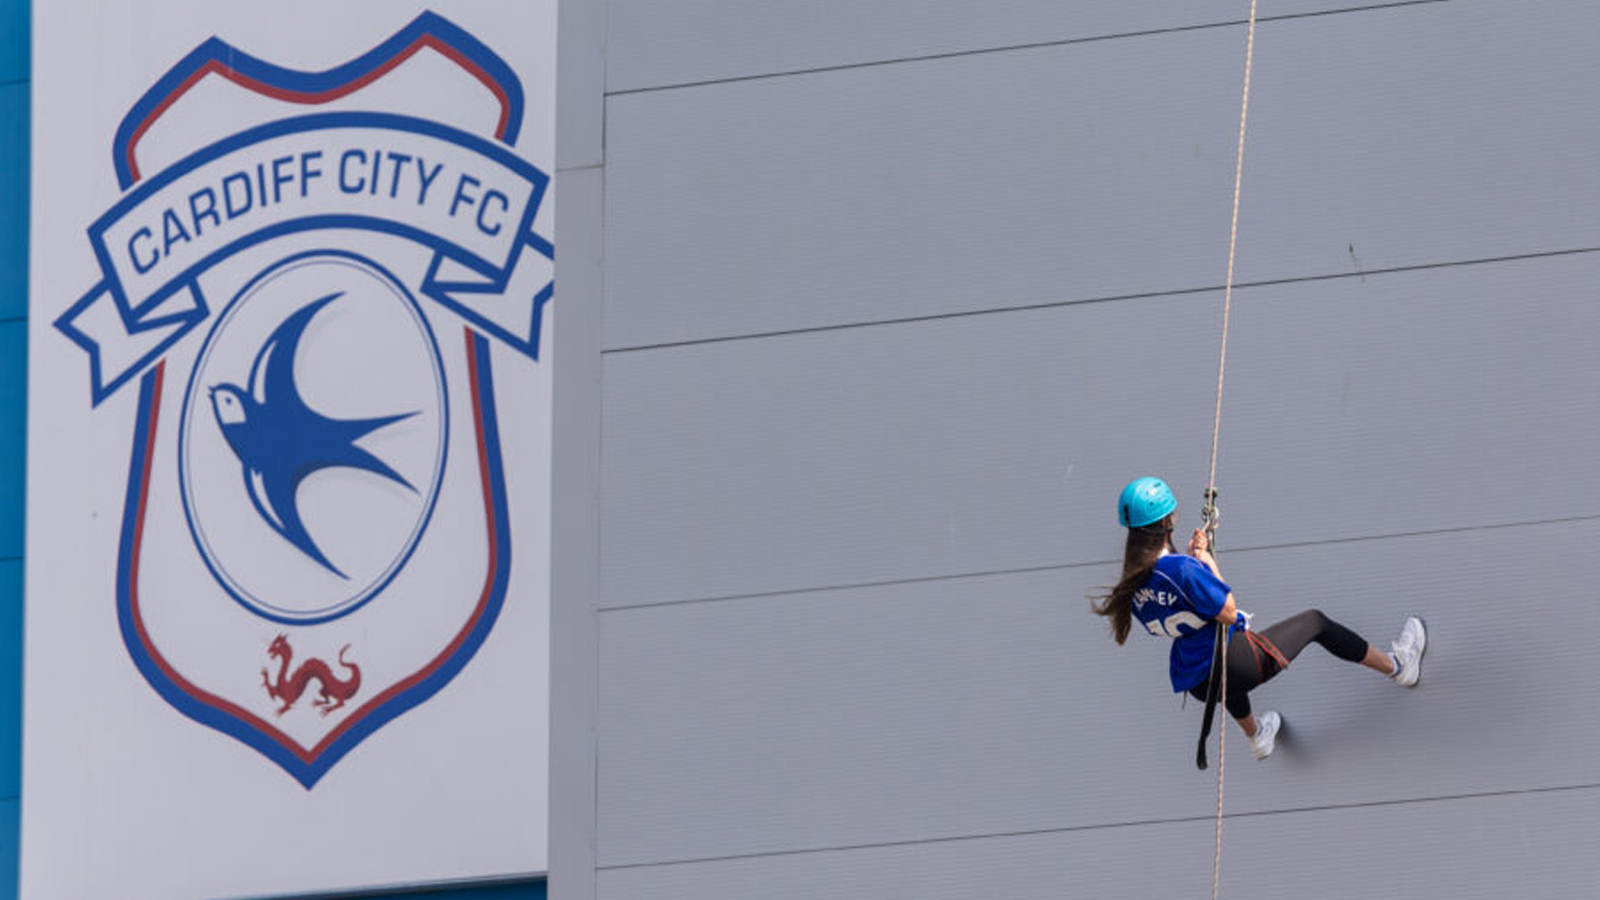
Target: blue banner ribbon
point(470, 200)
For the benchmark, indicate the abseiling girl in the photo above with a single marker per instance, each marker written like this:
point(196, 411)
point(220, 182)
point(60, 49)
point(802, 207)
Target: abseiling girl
point(1182, 596)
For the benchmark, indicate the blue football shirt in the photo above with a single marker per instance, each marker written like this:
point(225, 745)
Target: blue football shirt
point(1180, 601)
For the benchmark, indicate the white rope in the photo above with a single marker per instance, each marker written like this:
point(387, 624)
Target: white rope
point(1216, 426)
point(1233, 242)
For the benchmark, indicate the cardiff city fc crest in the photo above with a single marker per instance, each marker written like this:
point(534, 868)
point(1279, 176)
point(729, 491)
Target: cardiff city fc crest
point(304, 288)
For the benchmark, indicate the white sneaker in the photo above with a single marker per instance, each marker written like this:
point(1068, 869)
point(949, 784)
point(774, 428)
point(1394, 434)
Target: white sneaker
point(1266, 739)
point(1407, 650)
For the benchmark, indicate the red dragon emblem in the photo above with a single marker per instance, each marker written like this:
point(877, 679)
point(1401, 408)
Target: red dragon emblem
point(288, 688)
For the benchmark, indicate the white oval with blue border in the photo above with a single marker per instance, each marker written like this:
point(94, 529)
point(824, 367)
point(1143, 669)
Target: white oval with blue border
point(313, 437)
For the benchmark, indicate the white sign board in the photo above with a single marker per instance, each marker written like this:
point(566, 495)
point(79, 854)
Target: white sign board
point(289, 447)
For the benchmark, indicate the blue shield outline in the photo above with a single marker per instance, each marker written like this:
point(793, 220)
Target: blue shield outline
point(161, 319)
point(216, 56)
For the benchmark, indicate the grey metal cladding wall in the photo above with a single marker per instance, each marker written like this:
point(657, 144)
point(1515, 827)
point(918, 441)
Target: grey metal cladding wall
point(1402, 402)
point(655, 44)
point(843, 645)
point(1414, 135)
point(1486, 848)
point(997, 705)
point(574, 512)
point(868, 455)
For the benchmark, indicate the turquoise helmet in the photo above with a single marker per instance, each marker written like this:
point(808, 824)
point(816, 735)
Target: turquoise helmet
point(1145, 501)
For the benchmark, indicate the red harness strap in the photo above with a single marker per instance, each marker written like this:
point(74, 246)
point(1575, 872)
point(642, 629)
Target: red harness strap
point(1258, 644)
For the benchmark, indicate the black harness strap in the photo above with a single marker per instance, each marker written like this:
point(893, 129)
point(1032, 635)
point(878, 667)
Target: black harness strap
point(1210, 515)
point(1213, 690)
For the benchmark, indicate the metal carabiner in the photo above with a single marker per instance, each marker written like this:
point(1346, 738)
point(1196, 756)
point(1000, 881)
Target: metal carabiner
point(1210, 517)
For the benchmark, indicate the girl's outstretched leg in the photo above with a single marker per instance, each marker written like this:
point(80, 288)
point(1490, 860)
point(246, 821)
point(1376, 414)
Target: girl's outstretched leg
point(1289, 637)
point(1293, 634)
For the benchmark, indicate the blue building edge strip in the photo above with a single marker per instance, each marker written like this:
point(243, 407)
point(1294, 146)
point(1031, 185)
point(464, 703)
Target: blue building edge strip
point(15, 19)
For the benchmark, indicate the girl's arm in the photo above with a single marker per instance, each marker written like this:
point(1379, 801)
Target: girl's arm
point(1200, 548)
point(1229, 614)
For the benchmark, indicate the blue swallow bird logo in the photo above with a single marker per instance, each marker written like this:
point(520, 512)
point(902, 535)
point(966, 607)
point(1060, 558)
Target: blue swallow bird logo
point(280, 440)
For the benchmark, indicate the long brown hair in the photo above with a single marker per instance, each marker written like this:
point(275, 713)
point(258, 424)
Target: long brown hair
point(1138, 560)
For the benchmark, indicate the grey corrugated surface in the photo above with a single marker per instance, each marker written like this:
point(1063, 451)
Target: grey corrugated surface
point(871, 454)
point(1409, 135)
point(1397, 403)
point(962, 707)
point(581, 42)
point(655, 43)
point(574, 513)
point(575, 551)
point(1487, 848)
point(901, 693)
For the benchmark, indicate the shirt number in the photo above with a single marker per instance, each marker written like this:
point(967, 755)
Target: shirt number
point(1168, 626)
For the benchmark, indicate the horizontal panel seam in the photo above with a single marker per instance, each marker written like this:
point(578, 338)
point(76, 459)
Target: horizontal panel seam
point(1446, 798)
point(7, 320)
point(1009, 48)
point(1084, 301)
point(7, 559)
point(1226, 551)
point(7, 82)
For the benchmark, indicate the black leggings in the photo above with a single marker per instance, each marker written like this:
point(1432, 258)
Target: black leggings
point(1254, 657)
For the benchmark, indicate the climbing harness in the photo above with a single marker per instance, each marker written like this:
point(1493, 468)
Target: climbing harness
point(1211, 514)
